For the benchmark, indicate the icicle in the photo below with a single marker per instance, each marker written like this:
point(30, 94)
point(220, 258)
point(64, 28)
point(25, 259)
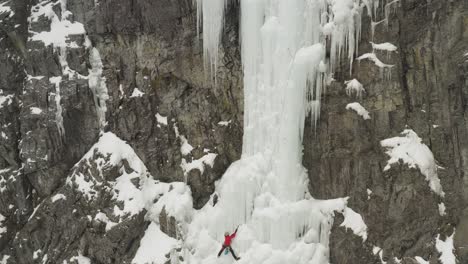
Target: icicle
point(211, 15)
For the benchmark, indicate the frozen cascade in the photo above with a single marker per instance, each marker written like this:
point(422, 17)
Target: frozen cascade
point(97, 84)
point(210, 13)
point(285, 69)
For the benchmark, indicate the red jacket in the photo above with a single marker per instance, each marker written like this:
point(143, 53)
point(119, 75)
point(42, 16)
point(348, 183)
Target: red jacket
point(228, 239)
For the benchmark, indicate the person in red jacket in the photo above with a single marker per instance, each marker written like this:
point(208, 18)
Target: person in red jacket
point(227, 244)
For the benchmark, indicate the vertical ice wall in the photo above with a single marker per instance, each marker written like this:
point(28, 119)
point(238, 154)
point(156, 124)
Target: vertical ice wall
point(285, 66)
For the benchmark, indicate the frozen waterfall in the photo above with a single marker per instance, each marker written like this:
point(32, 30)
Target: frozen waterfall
point(285, 67)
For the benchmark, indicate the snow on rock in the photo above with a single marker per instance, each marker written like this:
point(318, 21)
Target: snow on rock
point(58, 197)
point(378, 251)
point(441, 207)
point(5, 100)
point(60, 28)
point(446, 249)
point(36, 254)
point(6, 9)
point(354, 221)
point(35, 110)
point(421, 260)
point(359, 109)
point(111, 152)
point(80, 259)
point(154, 246)
point(384, 46)
point(224, 123)
point(369, 193)
point(206, 160)
point(176, 200)
point(2, 228)
point(136, 93)
point(4, 259)
point(103, 218)
point(161, 119)
point(410, 150)
point(354, 87)
point(372, 57)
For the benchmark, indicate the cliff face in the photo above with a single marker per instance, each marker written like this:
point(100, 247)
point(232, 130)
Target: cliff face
point(136, 69)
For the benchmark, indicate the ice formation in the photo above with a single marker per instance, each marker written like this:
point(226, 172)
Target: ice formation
point(58, 111)
point(97, 84)
point(285, 70)
point(410, 149)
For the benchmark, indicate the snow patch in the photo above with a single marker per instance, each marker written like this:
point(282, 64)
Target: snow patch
point(2, 228)
point(421, 260)
point(410, 149)
point(224, 123)
point(136, 93)
point(378, 251)
point(206, 160)
point(4, 9)
point(354, 221)
point(446, 249)
point(36, 253)
point(4, 259)
point(60, 28)
point(354, 87)
point(5, 100)
point(154, 246)
point(81, 259)
point(58, 197)
point(103, 218)
point(441, 207)
point(35, 110)
point(161, 119)
point(384, 46)
point(372, 57)
point(359, 109)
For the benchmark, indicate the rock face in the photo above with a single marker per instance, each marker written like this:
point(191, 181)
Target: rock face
point(161, 101)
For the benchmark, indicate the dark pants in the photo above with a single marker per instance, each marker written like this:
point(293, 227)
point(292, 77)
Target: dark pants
point(230, 249)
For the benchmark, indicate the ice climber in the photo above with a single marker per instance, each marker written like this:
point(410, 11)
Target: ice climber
point(227, 244)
